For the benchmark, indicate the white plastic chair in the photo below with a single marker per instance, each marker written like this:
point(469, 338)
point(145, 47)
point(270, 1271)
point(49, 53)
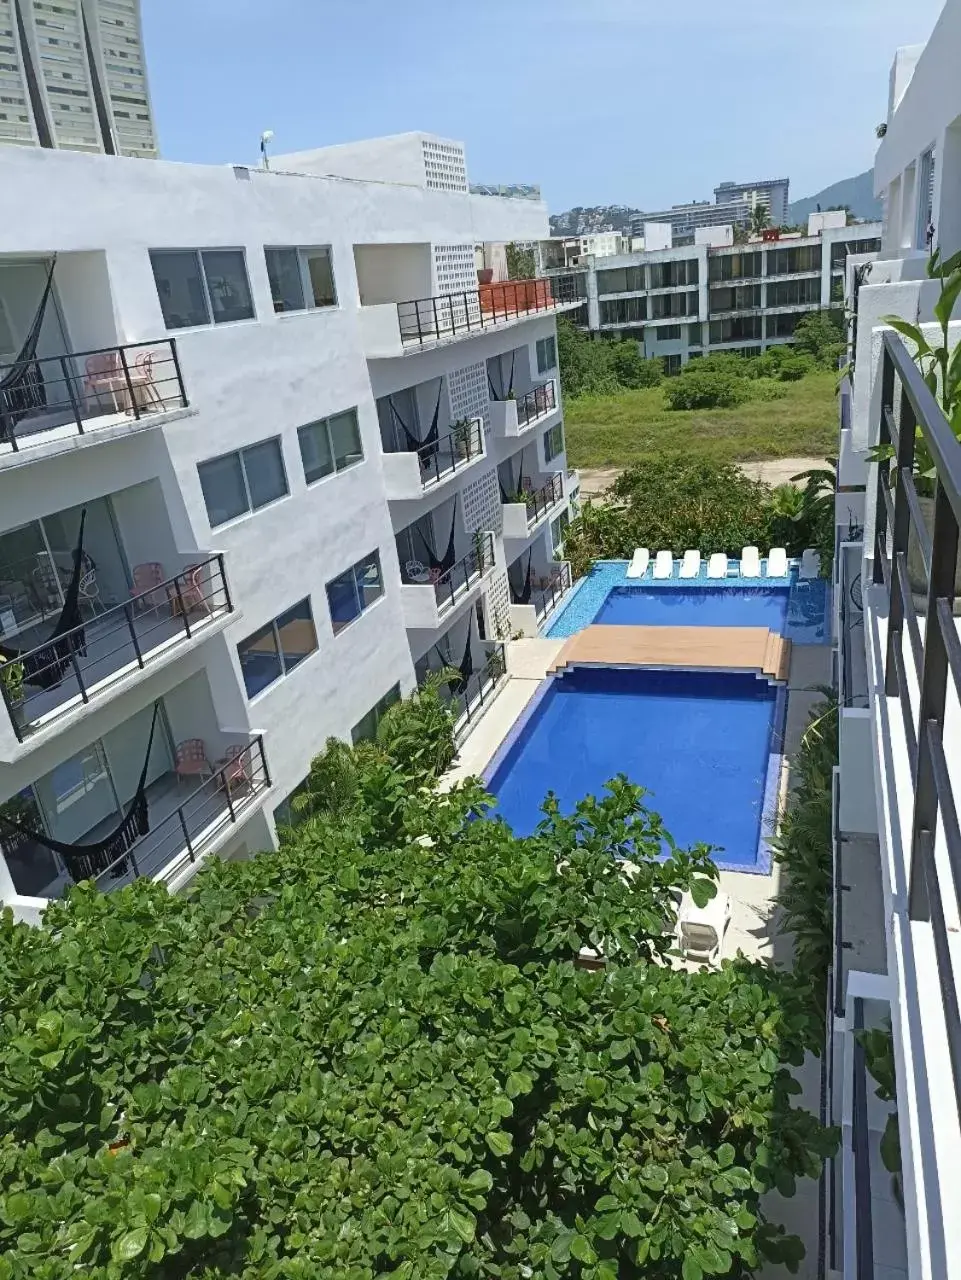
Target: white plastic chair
point(701, 930)
point(777, 563)
point(663, 564)
point(638, 566)
point(717, 565)
point(690, 565)
point(750, 563)
point(810, 564)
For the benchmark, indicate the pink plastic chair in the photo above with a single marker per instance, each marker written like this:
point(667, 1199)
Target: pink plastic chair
point(144, 386)
point(190, 759)
point(146, 579)
point(192, 592)
point(105, 373)
point(236, 768)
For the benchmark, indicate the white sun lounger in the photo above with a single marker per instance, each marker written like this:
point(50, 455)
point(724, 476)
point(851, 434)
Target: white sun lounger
point(690, 565)
point(663, 564)
point(750, 563)
point(717, 565)
point(701, 930)
point(810, 564)
point(638, 566)
point(777, 563)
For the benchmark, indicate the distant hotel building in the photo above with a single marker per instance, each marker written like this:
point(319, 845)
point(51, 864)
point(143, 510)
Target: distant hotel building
point(73, 77)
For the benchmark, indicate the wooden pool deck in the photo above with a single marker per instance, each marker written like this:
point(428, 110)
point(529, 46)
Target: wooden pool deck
point(699, 648)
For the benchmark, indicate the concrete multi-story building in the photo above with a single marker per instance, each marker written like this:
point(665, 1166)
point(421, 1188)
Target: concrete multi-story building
point(685, 219)
point(772, 194)
point(316, 460)
point(685, 301)
point(897, 843)
point(73, 76)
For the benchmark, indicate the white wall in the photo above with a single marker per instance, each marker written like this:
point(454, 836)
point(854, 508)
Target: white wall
point(393, 272)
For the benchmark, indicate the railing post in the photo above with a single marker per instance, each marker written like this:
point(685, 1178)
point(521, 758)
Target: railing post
point(934, 684)
point(183, 827)
point(263, 761)
point(184, 402)
point(226, 785)
point(134, 407)
point(74, 403)
point(76, 669)
point(899, 539)
point(883, 477)
point(228, 603)
point(183, 609)
point(128, 614)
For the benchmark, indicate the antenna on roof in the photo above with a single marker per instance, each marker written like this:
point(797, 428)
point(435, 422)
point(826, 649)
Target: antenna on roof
point(265, 137)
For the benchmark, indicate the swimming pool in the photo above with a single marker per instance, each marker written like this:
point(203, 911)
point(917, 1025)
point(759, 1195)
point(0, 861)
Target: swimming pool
point(800, 611)
point(699, 606)
point(705, 744)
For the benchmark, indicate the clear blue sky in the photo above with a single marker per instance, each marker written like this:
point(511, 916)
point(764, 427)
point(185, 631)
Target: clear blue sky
point(639, 102)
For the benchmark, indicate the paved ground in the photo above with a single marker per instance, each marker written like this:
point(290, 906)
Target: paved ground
point(754, 922)
point(773, 471)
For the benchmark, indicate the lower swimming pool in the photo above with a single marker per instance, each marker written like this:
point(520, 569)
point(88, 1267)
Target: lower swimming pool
point(700, 606)
point(705, 744)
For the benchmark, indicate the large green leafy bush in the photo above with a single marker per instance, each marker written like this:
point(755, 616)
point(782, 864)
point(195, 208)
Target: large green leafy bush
point(373, 1053)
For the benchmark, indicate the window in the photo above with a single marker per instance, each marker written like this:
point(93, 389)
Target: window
point(669, 333)
point(786, 262)
point(668, 275)
point(202, 286)
point(236, 483)
point(365, 730)
point(553, 442)
point(794, 293)
point(694, 335)
point(672, 364)
point(558, 529)
point(736, 298)
point(623, 311)
point(735, 329)
point(841, 248)
point(546, 354)
point(329, 445)
point(300, 279)
point(350, 593)
point(735, 266)
point(276, 649)
point(666, 305)
point(620, 280)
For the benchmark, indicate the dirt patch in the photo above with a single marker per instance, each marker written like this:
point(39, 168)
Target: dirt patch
point(773, 471)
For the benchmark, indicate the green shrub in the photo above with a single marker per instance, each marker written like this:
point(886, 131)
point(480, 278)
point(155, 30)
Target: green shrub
point(362, 1056)
point(697, 388)
point(820, 334)
point(794, 368)
point(631, 369)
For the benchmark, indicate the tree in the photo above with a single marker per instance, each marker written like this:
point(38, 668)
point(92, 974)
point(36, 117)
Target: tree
point(521, 264)
point(631, 369)
point(375, 1052)
point(820, 334)
point(760, 218)
point(598, 367)
point(741, 234)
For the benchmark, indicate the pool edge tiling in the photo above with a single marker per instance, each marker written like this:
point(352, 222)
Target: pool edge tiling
point(769, 793)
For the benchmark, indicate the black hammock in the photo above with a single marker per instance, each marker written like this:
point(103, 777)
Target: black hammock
point(466, 667)
point(46, 666)
point(85, 861)
point(413, 444)
point(22, 390)
point(447, 560)
point(524, 597)
point(510, 386)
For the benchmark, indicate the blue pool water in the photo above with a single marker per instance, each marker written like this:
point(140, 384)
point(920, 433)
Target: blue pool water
point(700, 742)
point(699, 606)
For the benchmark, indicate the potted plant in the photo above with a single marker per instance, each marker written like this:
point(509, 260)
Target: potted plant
point(12, 677)
point(463, 432)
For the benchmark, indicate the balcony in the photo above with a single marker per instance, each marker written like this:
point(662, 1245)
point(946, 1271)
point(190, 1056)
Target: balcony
point(52, 404)
point(202, 783)
point(914, 683)
point(392, 329)
point(535, 594)
point(523, 516)
point(510, 418)
point(428, 604)
point(410, 474)
point(89, 663)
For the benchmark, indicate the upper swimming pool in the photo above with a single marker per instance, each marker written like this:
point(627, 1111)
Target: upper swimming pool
point(705, 744)
point(800, 611)
point(698, 606)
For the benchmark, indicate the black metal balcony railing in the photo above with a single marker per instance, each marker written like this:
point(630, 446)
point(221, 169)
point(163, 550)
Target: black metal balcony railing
point(934, 654)
point(442, 458)
point(546, 595)
point(74, 390)
point(473, 310)
point(537, 402)
point(541, 500)
point(62, 672)
point(861, 1151)
point(481, 686)
point(465, 572)
point(218, 802)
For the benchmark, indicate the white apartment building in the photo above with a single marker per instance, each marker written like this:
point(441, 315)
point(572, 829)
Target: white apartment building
point(897, 844)
point(311, 459)
point(683, 302)
point(772, 194)
point(73, 75)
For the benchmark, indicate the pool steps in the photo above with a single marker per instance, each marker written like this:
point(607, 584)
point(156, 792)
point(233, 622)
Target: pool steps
point(756, 649)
